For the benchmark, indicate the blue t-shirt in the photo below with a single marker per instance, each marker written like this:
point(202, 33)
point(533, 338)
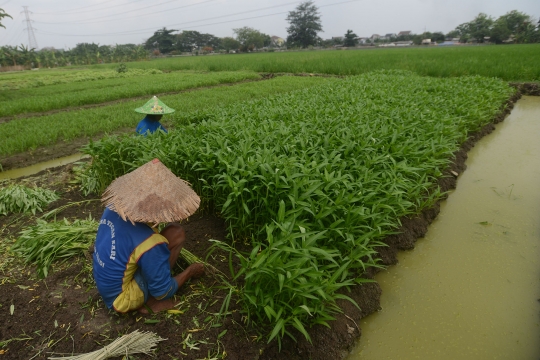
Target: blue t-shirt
point(146, 125)
point(122, 248)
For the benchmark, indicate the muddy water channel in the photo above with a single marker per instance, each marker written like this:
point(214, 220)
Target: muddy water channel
point(33, 169)
point(471, 288)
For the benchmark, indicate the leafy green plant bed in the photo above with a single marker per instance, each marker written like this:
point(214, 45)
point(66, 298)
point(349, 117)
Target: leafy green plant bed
point(28, 133)
point(23, 199)
point(73, 94)
point(314, 179)
point(41, 78)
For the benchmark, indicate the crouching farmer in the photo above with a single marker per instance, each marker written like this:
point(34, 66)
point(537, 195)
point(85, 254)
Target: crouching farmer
point(132, 262)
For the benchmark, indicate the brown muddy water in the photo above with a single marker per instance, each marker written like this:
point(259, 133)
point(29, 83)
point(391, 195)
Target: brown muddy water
point(471, 288)
point(33, 169)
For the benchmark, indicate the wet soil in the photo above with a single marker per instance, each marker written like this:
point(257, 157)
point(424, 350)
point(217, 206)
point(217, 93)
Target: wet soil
point(63, 314)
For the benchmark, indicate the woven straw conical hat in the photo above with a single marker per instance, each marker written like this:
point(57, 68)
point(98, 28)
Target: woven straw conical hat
point(151, 194)
point(154, 106)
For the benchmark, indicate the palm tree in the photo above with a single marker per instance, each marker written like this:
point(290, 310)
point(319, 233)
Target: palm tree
point(12, 54)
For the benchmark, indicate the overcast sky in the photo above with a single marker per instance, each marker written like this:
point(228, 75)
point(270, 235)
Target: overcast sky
point(65, 23)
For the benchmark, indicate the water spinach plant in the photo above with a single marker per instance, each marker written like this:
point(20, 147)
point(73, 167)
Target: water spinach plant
point(17, 198)
point(14, 102)
point(314, 178)
point(45, 242)
point(28, 133)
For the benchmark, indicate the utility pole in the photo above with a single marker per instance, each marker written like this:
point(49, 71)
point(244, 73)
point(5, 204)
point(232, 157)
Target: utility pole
point(32, 42)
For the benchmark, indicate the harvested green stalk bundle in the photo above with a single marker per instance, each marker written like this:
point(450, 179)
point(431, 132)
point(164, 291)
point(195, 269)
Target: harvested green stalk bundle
point(191, 258)
point(45, 242)
point(20, 199)
point(134, 343)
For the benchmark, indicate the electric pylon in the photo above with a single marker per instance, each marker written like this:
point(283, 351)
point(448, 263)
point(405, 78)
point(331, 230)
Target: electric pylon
point(32, 42)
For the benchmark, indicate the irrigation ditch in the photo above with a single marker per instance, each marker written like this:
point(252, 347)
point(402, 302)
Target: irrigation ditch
point(62, 315)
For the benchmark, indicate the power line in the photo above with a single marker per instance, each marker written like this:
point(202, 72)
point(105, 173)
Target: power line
point(16, 33)
point(146, 7)
point(9, 29)
point(156, 12)
point(142, 31)
point(84, 7)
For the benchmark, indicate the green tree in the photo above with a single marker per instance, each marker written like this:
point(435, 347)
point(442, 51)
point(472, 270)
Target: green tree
point(304, 25)
point(452, 34)
point(163, 40)
point(350, 38)
point(437, 36)
point(188, 40)
point(480, 27)
point(3, 14)
point(229, 43)
point(499, 31)
point(515, 20)
point(12, 54)
point(26, 56)
point(251, 39)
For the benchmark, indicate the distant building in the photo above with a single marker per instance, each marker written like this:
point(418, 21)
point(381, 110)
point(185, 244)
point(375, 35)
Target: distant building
point(390, 35)
point(404, 33)
point(375, 37)
point(403, 43)
point(277, 41)
point(426, 41)
point(362, 40)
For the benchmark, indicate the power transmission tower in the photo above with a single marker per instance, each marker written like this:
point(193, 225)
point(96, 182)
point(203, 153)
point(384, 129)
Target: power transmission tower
point(32, 42)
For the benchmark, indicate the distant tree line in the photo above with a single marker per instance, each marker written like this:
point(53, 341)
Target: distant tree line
point(82, 54)
point(304, 27)
point(513, 28)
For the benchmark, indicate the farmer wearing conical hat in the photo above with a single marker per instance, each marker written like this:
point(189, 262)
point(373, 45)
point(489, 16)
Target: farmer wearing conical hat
point(154, 109)
point(132, 261)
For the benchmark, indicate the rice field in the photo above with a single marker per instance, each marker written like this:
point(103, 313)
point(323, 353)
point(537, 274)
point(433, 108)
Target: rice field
point(509, 62)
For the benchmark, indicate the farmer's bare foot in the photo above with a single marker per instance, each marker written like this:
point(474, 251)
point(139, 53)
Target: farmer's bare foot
point(195, 270)
point(157, 305)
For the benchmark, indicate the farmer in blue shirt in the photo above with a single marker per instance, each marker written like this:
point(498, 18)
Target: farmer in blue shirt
point(154, 109)
point(132, 262)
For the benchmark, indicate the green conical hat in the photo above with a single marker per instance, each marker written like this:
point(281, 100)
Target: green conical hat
point(154, 106)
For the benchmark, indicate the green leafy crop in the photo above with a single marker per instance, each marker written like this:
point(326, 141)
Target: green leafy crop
point(45, 242)
point(22, 199)
point(314, 178)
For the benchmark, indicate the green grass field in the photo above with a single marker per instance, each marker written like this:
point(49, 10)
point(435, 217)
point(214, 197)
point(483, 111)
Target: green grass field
point(78, 93)
point(509, 62)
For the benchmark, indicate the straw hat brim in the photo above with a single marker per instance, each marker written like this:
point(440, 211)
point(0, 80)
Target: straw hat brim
point(151, 194)
point(154, 106)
